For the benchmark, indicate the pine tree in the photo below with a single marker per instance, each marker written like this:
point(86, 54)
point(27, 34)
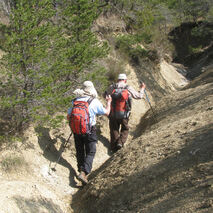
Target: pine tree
point(26, 46)
point(79, 46)
point(49, 49)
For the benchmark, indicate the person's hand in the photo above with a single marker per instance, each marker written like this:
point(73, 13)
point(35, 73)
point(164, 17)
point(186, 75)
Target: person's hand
point(108, 98)
point(143, 86)
point(104, 94)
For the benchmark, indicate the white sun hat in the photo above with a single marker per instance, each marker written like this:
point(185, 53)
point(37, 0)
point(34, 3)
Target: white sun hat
point(122, 76)
point(87, 90)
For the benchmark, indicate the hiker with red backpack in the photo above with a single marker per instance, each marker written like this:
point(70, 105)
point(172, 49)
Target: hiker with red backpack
point(82, 120)
point(122, 95)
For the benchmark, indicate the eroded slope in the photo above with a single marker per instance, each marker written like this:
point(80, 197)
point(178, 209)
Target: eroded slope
point(166, 168)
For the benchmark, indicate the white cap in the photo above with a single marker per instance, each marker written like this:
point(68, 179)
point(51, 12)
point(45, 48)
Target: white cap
point(122, 76)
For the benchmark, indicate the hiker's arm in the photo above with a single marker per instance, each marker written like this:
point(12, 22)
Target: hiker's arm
point(108, 106)
point(135, 94)
point(68, 115)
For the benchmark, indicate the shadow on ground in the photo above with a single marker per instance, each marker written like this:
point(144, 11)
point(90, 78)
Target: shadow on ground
point(47, 144)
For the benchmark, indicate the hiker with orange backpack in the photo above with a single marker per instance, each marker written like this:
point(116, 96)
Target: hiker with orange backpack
point(122, 95)
point(82, 120)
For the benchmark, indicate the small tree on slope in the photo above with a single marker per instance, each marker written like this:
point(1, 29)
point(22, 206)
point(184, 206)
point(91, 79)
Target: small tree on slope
point(42, 60)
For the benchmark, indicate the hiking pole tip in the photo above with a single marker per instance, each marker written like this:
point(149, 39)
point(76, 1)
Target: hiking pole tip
point(62, 149)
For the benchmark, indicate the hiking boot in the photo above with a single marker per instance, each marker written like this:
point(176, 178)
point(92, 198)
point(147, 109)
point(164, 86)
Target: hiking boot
point(82, 177)
point(119, 146)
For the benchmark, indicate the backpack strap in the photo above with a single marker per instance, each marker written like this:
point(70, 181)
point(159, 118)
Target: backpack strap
point(126, 87)
point(116, 87)
point(90, 100)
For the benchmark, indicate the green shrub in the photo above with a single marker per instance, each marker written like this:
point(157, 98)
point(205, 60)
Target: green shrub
point(144, 37)
point(128, 45)
point(8, 141)
point(124, 43)
point(114, 68)
point(194, 50)
point(137, 53)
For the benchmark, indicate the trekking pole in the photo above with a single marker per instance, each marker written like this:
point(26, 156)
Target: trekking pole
point(147, 98)
point(154, 117)
point(61, 151)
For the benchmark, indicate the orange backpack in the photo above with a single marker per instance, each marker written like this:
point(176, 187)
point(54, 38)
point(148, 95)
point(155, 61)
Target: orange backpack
point(121, 103)
point(79, 118)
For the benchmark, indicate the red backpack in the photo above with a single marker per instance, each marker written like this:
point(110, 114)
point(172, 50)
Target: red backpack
point(121, 102)
point(79, 118)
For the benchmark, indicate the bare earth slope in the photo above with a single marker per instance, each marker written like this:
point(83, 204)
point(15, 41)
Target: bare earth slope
point(168, 167)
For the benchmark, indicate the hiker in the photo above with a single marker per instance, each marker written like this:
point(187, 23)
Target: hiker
point(122, 95)
point(85, 132)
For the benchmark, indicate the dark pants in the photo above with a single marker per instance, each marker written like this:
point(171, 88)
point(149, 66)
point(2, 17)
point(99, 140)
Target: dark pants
point(119, 131)
point(85, 150)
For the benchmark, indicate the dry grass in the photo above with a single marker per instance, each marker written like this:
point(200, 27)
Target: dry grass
point(12, 163)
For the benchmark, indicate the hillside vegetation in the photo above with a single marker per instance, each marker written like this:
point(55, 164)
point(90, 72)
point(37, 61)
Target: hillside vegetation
point(49, 47)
